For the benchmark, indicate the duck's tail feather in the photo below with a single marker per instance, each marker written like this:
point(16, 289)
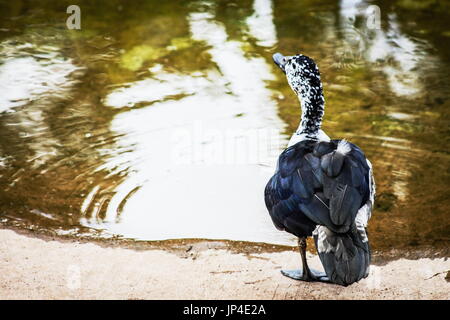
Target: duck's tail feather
point(345, 256)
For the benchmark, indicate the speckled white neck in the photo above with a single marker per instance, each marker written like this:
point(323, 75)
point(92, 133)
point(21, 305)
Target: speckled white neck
point(310, 125)
point(304, 78)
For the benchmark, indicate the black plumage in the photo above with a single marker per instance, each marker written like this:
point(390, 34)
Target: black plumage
point(326, 188)
point(316, 185)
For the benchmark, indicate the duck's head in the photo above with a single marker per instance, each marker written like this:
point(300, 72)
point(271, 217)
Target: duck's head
point(301, 72)
point(304, 78)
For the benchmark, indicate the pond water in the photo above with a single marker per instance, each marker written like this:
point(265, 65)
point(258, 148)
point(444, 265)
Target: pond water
point(161, 120)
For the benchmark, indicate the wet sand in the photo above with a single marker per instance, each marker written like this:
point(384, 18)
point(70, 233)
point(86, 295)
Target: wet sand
point(42, 267)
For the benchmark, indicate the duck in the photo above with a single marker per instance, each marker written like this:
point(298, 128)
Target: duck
point(322, 188)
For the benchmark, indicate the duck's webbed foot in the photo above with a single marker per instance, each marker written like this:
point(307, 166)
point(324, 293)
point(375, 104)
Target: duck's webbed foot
point(306, 274)
point(312, 275)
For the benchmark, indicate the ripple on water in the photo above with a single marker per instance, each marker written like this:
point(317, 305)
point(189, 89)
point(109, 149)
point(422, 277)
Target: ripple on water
point(179, 163)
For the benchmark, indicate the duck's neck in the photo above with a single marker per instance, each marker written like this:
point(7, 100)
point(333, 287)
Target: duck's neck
point(313, 106)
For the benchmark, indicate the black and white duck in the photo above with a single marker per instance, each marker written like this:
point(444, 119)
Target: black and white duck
point(322, 188)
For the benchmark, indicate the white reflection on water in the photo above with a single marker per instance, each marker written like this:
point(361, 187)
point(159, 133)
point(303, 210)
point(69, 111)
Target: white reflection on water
point(158, 88)
point(25, 78)
point(32, 78)
point(261, 25)
point(162, 198)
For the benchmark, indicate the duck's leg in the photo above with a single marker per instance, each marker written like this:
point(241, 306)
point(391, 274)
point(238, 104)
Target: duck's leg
point(306, 274)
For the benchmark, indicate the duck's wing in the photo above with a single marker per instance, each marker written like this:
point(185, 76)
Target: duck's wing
point(286, 191)
point(341, 238)
point(323, 183)
point(344, 176)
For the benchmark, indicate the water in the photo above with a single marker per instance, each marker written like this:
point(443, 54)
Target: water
point(163, 120)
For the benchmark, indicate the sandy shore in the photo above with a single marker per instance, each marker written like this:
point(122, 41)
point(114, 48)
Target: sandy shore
point(46, 268)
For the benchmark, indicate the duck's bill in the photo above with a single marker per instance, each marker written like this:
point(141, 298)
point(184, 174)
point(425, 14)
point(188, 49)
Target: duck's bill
point(280, 60)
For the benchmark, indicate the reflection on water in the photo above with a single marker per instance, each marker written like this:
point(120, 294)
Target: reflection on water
point(169, 124)
point(404, 60)
point(260, 24)
point(194, 192)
